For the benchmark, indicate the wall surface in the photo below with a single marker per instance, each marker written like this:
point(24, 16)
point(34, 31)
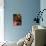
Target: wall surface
point(43, 6)
point(27, 9)
point(1, 20)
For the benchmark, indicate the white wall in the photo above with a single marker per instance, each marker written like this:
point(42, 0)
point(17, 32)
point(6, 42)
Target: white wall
point(1, 20)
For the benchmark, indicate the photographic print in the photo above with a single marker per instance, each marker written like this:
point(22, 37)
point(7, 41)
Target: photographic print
point(17, 19)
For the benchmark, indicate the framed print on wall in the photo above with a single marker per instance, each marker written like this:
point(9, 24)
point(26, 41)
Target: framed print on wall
point(17, 19)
